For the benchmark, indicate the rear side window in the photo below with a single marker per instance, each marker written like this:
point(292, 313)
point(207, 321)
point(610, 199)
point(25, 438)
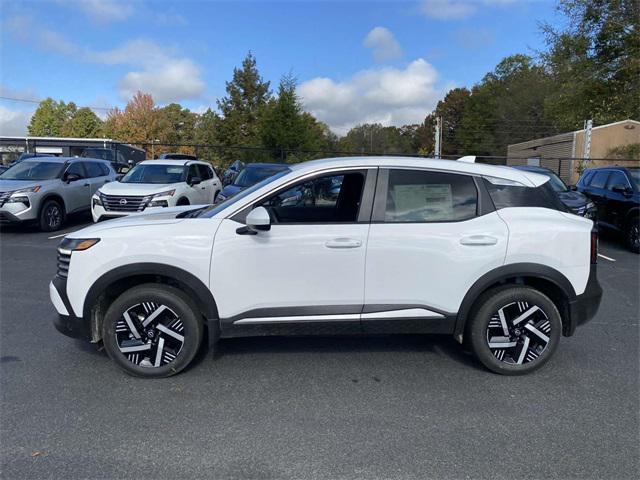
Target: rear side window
point(599, 180)
point(423, 196)
point(505, 196)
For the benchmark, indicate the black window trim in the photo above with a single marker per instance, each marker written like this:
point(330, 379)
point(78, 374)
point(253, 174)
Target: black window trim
point(484, 203)
point(366, 200)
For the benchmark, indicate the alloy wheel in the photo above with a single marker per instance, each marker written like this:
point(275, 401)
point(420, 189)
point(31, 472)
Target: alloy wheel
point(53, 216)
point(150, 334)
point(634, 235)
point(518, 333)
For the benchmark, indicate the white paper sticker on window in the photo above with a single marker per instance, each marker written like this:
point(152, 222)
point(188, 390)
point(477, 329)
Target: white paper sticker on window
point(429, 202)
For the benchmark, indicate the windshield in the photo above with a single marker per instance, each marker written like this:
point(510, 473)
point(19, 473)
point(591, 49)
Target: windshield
point(635, 176)
point(252, 175)
point(215, 209)
point(556, 183)
point(29, 170)
point(146, 173)
point(102, 153)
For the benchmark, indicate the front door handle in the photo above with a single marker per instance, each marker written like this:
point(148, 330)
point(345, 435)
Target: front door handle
point(476, 240)
point(343, 243)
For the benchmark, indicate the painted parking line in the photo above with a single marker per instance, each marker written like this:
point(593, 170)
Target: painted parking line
point(61, 235)
point(607, 258)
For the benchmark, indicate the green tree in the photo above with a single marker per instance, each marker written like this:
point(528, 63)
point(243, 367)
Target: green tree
point(247, 95)
point(284, 126)
point(176, 127)
point(594, 60)
point(50, 117)
point(507, 106)
point(452, 109)
point(83, 124)
point(205, 133)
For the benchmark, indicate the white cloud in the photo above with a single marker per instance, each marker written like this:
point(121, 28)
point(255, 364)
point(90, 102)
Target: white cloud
point(14, 122)
point(447, 9)
point(383, 44)
point(389, 96)
point(160, 71)
point(457, 9)
point(106, 11)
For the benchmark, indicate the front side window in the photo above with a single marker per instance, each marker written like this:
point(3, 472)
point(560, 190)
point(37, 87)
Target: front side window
point(76, 169)
point(93, 169)
point(205, 172)
point(617, 179)
point(422, 196)
point(193, 173)
point(599, 180)
point(331, 198)
point(157, 174)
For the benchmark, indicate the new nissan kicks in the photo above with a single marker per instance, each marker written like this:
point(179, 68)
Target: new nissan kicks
point(487, 254)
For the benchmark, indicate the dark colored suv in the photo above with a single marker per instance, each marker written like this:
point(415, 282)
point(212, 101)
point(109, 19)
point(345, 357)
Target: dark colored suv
point(616, 193)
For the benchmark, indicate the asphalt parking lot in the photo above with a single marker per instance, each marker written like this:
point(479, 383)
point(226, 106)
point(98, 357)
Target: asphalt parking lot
point(371, 407)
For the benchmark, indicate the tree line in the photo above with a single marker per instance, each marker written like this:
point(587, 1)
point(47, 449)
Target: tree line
point(589, 69)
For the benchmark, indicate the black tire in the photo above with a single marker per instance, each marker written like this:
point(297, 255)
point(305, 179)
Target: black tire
point(154, 350)
point(182, 202)
point(51, 216)
point(632, 235)
point(525, 349)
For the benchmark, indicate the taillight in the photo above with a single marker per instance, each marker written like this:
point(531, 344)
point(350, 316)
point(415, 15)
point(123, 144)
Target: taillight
point(594, 246)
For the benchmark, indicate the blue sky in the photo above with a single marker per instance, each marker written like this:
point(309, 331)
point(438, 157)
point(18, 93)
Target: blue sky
point(359, 61)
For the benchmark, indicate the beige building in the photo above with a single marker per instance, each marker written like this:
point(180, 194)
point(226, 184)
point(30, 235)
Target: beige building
point(563, 153)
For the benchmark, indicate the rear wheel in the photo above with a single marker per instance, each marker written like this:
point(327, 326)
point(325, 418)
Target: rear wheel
point(633, 235)
point(515, 330)
point(152, 331)
point(51, 216)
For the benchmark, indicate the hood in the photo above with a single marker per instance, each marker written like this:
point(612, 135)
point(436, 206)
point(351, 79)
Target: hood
point(136, 189)
point(166, 216)
point(10, 185)
point(231, 190)
point(573, 199)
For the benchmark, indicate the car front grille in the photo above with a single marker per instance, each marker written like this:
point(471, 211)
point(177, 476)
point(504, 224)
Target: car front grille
point(4, 196)
point(117, 203)
point(63, 263)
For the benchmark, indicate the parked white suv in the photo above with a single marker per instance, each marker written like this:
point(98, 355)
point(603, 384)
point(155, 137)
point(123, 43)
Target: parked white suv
point(155, 184)
point(353, 245)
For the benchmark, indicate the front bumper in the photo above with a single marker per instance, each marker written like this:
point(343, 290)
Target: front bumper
point(66, 322)
point(585, 306)
point(17, 212)
point(99, 213)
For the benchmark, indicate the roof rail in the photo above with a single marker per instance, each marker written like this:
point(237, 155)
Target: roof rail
point(468, 159)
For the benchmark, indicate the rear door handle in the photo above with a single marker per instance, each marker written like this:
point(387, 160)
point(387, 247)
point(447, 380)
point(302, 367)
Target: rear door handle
point(343, 243)
point(474, 240)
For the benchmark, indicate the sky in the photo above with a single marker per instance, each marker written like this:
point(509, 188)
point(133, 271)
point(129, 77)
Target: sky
point(355, 61)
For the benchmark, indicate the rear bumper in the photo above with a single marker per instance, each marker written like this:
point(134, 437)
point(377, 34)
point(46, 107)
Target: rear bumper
point(585, 306)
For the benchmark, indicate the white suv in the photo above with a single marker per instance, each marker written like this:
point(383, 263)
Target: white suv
point(487, 254)
point(155, 184)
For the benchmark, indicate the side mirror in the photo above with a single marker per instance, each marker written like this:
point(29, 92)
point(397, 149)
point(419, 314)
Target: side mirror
point(71, 177)
point(257, 219)
point(573, 188)
point(195, 181)
point(620, 189)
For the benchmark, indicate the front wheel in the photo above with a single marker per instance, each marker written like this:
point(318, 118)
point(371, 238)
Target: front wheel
point(515, 330)
point(152, 331)
point(51, 216)
point(633, 235)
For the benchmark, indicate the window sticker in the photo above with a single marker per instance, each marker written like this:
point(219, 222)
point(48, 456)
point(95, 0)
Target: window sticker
point(429, 202)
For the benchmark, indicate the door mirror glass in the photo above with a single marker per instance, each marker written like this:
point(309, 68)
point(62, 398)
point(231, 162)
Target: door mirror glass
point(71, 177)
point(258, 219)
point(623, 189)
point(573, 188)
point(195, 181)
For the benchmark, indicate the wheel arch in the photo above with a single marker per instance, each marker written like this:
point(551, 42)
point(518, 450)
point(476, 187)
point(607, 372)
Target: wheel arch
point(52, 196)
point(632, 214)
point(548, 280)
point(113, 283)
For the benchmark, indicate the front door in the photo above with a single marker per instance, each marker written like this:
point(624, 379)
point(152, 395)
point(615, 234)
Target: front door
point(76, 194)
point(428, 244)
point(309, 267)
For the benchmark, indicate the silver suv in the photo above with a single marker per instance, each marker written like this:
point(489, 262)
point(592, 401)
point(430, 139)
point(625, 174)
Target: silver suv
point(46, 190)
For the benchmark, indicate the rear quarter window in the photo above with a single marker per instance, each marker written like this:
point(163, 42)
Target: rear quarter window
point(506, 196)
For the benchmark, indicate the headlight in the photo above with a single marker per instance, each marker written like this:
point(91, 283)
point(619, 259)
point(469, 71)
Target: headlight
point(18, 196)
point(150, 200)
point(68, 245)
point(589, 206)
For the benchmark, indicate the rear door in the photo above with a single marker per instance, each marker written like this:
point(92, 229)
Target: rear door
point(429, 241)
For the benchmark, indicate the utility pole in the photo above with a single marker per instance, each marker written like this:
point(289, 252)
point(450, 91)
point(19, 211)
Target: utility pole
point(586, 146)
point(438, 137)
